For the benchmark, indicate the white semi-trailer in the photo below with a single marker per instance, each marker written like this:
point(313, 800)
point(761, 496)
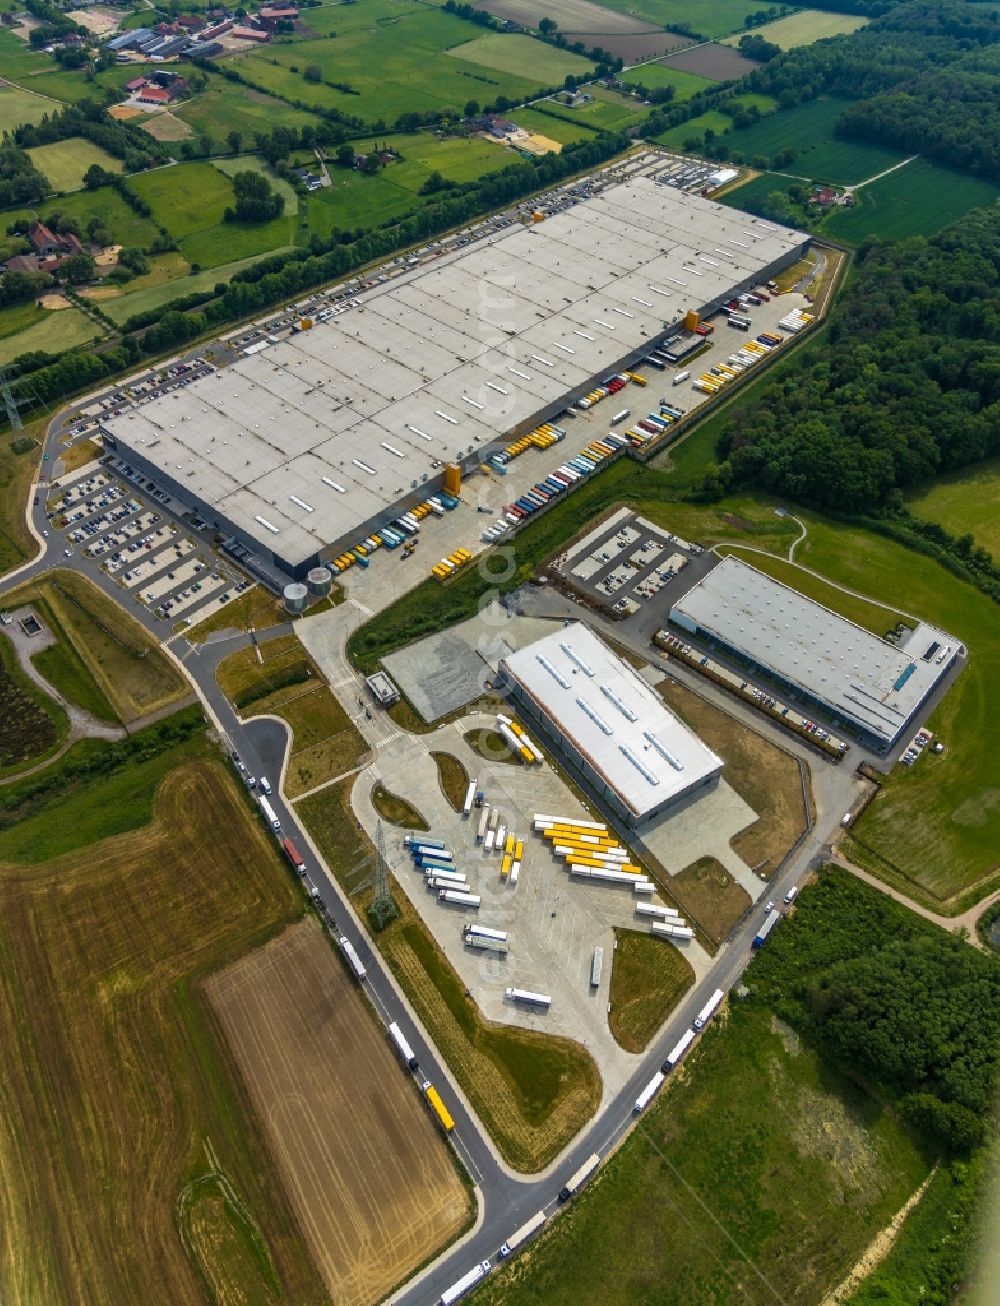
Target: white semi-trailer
point(470, 798)
point(402, 1047)
point(351, 957)
point(528, 998)
point(270, 813)
point(649, 1092)
point(459, 898)
point(465, 1283)
point(576, 1181)
point(654, 909)
point(520, 1236)
point(708, 1010)
point(676, 1053)
point(596, 966)
point(672, 931)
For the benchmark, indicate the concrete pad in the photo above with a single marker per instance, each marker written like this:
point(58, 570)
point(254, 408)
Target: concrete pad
point(703, 828)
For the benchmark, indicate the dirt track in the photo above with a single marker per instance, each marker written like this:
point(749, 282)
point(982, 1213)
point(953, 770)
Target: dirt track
point(365, 1169)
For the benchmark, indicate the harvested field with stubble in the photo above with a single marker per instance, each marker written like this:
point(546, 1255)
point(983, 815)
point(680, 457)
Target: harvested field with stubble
point(369, 1176)
point(571, 15)
point(120, 1100)
point(763, 775)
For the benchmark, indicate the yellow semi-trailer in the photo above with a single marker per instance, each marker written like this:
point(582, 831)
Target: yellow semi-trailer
point(435, 1103)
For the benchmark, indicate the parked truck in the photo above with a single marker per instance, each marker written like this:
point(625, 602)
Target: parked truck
point(576, 1181)
point(465, 1284)
point(402, 1047)
point(649, 1092)
point(520, 1236)
point(708, 1010)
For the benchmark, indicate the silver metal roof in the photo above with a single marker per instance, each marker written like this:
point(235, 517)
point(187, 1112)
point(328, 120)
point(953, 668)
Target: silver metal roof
point(860, 677)
point(441, 359)
point(613, 717)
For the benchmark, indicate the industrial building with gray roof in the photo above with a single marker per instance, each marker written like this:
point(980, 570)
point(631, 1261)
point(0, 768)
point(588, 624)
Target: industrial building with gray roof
point(869, 686)
point(608, 723)
point(301, 449)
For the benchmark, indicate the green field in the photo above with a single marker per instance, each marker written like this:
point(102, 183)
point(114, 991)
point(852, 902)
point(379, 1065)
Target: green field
point(606, 111)
point(753, 192)
point(17, 106)
point(141, 301)
point(804, 27)
point(758, 1178)
point(718, 19)
point(225, 106)
point(556, 129)
point(19, 317)
point(394, 63)
point(918, 200)
point(52, 333)
point(189, 200)
point(19, 61)
point(522, 56)
point(65, 162)
point(674, 137)
point(655, 75)
point(808, 129)
point(253, 163)
point(355, 200)
point(966, 501)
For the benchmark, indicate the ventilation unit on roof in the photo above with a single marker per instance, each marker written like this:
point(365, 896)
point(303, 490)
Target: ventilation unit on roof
point(597, 719)
point(664, 752)
point(575, 657)
point(643, 770)
point(622, 707)
point(556, 676)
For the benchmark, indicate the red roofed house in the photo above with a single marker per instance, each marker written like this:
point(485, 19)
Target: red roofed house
point(135, 84)
point(154, 95)
point(271, 15)
point(44, 240)
point(250, 34)
point(190, 22)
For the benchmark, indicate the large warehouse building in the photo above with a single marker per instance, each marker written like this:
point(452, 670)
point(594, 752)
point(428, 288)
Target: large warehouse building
point(302, 449)
point(860, 683)
point(607, 723)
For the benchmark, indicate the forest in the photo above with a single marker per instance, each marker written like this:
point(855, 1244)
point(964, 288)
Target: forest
point(906, 1009)
point(905, 385)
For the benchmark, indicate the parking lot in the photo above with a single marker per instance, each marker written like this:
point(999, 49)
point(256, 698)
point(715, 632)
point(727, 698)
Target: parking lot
point(125, 526)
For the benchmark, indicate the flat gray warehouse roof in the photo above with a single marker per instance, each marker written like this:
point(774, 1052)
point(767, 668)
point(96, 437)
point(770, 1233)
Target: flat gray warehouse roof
point(310, 438)
point(862, 678)
point(610, 715)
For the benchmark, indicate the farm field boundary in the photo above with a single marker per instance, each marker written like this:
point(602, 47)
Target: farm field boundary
point(371, 1180)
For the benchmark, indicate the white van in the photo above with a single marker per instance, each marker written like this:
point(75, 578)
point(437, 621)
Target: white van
point(790, 895)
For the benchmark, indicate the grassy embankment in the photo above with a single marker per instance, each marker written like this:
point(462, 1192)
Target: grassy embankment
point(532, 1092)
point(648, 979)
point(285, 683)
point(396, 810)
point(453, 779)
point(104, 661)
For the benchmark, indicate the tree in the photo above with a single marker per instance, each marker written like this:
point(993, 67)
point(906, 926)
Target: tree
point(235, 142)
point(547, 26)
point(313, 73)
point(345, 156)
point(472, 109)
point(570, 82)
point(77, 268)
point(95, 176)
point(255, 199)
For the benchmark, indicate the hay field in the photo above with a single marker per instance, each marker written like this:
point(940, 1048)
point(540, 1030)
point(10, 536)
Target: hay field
point(122, 1112)
point(367, 1172)
point(803, 27)
point(65, 162)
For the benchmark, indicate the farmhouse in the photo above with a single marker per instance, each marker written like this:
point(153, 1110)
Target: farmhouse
point(304, 448)
point(47, 242)
point(862, 684)
point(607, 723)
